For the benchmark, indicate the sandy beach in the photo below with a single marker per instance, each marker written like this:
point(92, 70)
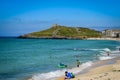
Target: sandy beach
point(116, 39)
point(102, 70)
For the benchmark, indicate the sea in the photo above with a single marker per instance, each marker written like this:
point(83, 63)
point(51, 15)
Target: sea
point(38, 59)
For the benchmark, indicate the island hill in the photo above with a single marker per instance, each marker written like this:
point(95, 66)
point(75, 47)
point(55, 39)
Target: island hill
point(64, 32)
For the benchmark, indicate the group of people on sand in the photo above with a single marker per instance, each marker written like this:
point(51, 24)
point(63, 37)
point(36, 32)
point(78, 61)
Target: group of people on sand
point(69, 75)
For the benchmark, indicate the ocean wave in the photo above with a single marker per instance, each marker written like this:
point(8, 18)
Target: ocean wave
point(85, 49)
point(103, 54)
point(112, 54)
point(74, 49)
point(82, 67)
point(49, 75)
point(104, 49)
point(107, 49)
point(54, 74)
point(105, 57)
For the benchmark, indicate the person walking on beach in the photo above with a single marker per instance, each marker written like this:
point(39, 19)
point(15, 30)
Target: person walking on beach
point(78, 63)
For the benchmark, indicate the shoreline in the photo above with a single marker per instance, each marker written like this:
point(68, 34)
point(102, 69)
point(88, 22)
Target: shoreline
point(116, 39)
point(101, 70)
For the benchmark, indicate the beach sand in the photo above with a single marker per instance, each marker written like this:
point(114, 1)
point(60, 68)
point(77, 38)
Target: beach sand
point(102, 70)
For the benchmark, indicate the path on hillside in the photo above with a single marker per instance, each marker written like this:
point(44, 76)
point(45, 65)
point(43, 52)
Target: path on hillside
point(54, 34)
point(77, 29)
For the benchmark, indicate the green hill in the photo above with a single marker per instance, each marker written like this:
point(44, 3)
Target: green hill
point(64, 32)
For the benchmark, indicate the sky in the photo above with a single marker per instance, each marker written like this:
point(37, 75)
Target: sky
point(18, 17)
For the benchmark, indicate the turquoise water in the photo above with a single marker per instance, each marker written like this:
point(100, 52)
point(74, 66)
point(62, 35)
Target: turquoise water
point(23, 58)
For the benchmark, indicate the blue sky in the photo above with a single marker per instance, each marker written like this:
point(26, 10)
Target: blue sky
point(18, 17)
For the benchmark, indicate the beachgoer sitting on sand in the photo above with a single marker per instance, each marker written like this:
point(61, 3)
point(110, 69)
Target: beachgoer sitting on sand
point(69, 75)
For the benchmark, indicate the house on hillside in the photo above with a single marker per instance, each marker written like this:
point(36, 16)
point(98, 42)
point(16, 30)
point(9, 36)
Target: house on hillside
point(111, 33)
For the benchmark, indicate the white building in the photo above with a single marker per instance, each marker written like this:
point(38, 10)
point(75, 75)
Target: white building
point(111, 33)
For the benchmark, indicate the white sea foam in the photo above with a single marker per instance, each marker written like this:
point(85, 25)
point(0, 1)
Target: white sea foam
point(94, 49)
point(107, 49)
point(104, 49)
point(113, 54)
point(104, 54)
point(53, 74)
point(49, 75)
point(82, 67)
point(105, 57)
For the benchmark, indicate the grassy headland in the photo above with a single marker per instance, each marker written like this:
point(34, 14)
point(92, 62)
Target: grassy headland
point(64, 32)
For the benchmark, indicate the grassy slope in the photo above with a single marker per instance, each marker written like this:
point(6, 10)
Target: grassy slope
point(69, 32)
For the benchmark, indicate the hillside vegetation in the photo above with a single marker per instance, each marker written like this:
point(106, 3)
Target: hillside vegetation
point(64, 32)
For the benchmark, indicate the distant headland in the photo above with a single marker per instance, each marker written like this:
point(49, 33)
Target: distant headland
point(64, 32)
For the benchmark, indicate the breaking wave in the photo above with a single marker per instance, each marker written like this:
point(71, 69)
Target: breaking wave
point(54, 74)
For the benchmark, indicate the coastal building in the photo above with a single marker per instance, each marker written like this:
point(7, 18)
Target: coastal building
point(111, 33)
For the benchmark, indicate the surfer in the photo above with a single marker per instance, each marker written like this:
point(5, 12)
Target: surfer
point(108, 53)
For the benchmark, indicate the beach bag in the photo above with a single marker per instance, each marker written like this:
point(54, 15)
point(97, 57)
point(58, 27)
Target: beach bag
point(73, 75)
